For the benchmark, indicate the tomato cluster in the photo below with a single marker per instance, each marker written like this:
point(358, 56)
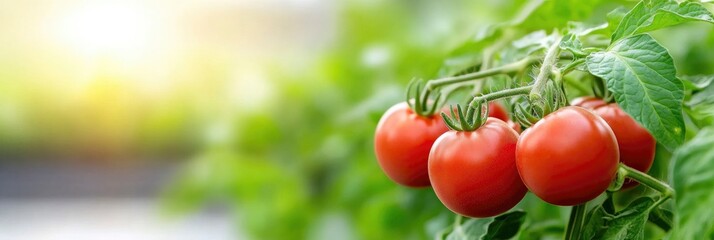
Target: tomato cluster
point(567, 158)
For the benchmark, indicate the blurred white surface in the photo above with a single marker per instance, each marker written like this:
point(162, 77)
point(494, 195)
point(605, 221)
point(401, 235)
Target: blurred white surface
point(131, 218)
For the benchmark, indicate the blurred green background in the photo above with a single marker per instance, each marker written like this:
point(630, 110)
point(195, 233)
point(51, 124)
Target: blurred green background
point(266, 108)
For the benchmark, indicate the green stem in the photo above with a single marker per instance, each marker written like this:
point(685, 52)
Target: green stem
point(577, 214)
point(572, 65)
point(648, 180)
point(551, 57)
point(651, 182)
point(501, 94)
point(505, 69)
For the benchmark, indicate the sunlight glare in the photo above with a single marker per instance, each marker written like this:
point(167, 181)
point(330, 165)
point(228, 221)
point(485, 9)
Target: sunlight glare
point(106, 28)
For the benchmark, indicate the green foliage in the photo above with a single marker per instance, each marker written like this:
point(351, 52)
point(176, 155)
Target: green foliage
point(692, 179)
point(641, 74)
point(649, 16)
point(626, 224)
point(504, 226)
point(308, 157)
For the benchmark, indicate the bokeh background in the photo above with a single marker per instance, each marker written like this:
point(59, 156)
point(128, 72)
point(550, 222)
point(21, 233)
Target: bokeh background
point(222, 119)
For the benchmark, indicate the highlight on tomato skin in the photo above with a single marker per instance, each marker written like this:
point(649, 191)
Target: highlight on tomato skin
point(637, 146)
point(588, 102)
point(515, 126)
point(474, 173)
point(569, 157)
point(402, 142)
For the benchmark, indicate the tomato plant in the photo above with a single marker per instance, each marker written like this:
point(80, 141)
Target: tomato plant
point(474, 172)
point(569, 155)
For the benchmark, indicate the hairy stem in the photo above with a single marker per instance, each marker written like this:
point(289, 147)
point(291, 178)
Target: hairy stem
point(551, 57)
point(501, 94)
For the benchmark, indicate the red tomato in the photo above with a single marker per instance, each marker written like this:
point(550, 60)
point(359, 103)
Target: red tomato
point(474, 173)
point(497, 111)
point(588, 102)
point(402, 143)
point(514, 126)
point(569, 157)
point(636, 144)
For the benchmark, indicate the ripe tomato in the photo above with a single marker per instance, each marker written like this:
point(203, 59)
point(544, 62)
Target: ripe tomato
point(474, 173)
point(569, 157)
point(515, 126)
point(402, 142)
point(588, 102)
point(497, 111)
point(636, 144)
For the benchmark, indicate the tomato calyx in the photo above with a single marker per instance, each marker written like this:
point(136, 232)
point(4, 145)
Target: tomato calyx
point(528, 111)
point(468, 118)
point(420, 101)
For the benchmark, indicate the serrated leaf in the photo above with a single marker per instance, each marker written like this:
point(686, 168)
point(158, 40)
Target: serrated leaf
point(628, 223)
point(641, 75)
point(692, 180)
point(648, 16)
point(502, 227)
point(572, 44)
point(595, 221)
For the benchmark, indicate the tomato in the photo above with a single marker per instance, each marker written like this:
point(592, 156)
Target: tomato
point(474, 173)
point(515, 126)
point(588, 102)
point(497, 111)
point(402, 142)
point(569, 157)
point(636, 144)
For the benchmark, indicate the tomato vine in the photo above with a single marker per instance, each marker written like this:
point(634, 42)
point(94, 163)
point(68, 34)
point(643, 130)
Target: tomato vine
point(623, 63)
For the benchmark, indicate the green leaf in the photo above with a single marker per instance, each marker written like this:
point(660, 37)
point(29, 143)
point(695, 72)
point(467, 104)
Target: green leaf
point(697, 82)
point(630, 222)
point(505, 226)
point(662, 218)
point(692, 180)
point(626, 224)
point(705, 96)
point(648, 16)
point(534, 41)
point(582, 29)
point(502, 227)
point(615, 17)
point(641, 74)
point(595, 221)
point(572, 44)
point(468, 53)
